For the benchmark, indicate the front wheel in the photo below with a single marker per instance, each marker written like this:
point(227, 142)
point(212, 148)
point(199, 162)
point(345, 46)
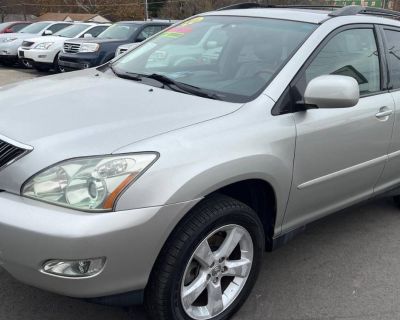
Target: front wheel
point(56, 66)
point(209, 264)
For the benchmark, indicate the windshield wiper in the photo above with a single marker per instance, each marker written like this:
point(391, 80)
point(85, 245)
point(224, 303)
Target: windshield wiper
point(129, 76)
point(182, 87)
point(170, 83)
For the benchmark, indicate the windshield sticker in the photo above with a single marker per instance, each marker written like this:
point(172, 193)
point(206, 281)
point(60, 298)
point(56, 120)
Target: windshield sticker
point(193, 21)
point(177, 32)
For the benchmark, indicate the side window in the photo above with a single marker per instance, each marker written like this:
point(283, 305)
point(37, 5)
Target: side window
point(147, 32)
point(393, 54)
point(57, 27)
point(18, 26)
point(351, 53)
point(95, 31)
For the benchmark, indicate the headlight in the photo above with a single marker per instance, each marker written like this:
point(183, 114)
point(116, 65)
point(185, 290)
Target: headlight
point(44, 45)
point(88, 184)
point(9, 39)
point(89, 47)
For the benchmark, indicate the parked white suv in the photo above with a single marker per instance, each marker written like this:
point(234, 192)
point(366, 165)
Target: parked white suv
point(10, 42)
point(42, 52)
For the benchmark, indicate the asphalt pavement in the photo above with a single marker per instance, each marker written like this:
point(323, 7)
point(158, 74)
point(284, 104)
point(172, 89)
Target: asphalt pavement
point(344, 267)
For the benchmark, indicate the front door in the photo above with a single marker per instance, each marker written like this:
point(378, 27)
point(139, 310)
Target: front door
point(340, 153)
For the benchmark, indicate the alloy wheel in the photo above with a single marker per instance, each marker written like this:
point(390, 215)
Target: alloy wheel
point(217, 272)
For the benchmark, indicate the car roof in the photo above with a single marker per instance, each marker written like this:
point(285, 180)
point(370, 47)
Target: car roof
point(294, 14)
point(316, 16)
point(144, 22)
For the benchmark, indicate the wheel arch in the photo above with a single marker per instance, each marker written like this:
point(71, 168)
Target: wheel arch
point(260, 196)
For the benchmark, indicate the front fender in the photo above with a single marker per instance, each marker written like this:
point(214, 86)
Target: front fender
point(198, 160)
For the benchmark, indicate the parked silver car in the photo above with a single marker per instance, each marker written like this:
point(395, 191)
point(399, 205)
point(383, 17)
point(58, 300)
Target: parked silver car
point(162, 176)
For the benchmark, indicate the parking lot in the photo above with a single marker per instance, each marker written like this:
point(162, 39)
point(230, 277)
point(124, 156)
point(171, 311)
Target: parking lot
point(344, 267)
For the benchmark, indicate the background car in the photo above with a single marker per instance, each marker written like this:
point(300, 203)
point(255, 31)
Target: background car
point(10, 42)
point(87, 53)
point(125, 47)
point(42, 53)
point(13, 27)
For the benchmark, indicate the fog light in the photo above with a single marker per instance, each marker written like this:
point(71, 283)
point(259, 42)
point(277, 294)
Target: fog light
point(74, 268)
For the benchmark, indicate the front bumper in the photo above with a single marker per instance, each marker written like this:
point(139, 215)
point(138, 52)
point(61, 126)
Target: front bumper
point(79, 61)
point(8, 50)
point(32, 232)
point(37, 56)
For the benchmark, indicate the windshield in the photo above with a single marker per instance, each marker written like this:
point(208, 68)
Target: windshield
point(72, 31)
point(234, 57)
point(35, 27)
point(119, 31)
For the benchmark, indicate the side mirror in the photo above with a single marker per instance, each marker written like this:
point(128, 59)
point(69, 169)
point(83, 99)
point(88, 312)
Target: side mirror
point(8, 30)
point(332, 91)
point(87, 35)
point(140, 38)
point(47, 32)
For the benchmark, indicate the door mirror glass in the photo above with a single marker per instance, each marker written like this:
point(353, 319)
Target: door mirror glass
point(140, 38)
point(332, 91)
point(87, 35)
point(48, 32)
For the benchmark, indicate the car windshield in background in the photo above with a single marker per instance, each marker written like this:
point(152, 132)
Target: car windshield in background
point(35, 27)
point(232, 58)
point(72, 31)
point(119, 31)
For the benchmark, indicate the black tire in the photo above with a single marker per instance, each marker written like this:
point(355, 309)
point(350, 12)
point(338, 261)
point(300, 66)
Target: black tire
point(396, 200)
point(25, 64)
point(162, 296)
point(57, 68)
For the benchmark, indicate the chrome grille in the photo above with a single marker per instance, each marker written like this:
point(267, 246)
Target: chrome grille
point(27, 44)
point(9, 153)
point(71, 47)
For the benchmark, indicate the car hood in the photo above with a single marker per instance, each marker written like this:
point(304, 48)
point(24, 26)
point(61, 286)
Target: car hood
point(18, 35)
point(55, 39)
point(89, 112)
point(98, 40)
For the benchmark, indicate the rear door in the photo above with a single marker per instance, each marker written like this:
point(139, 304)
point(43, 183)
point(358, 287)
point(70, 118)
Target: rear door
point(340, 153)
point(391, 174)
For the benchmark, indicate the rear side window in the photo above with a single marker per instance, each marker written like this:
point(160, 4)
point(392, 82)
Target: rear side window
point(350, 53)
point(96, 31)
point(393, 55)
point(149, 31)
point(18, 26)
point(58, 26)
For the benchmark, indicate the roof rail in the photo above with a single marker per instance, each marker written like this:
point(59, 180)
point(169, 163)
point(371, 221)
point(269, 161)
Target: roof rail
point(254, 5)
point(338, 11)
point(244, 5)
point(353, 10)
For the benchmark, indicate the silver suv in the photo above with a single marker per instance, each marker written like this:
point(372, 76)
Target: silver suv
point(163, 176)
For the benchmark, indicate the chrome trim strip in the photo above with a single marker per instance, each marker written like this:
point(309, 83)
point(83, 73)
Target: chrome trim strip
point(16, 143)
point(394, 154)
point(342, 172)
point(15, 159)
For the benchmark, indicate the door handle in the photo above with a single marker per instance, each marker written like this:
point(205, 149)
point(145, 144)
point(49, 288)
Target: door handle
point(384, 112)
